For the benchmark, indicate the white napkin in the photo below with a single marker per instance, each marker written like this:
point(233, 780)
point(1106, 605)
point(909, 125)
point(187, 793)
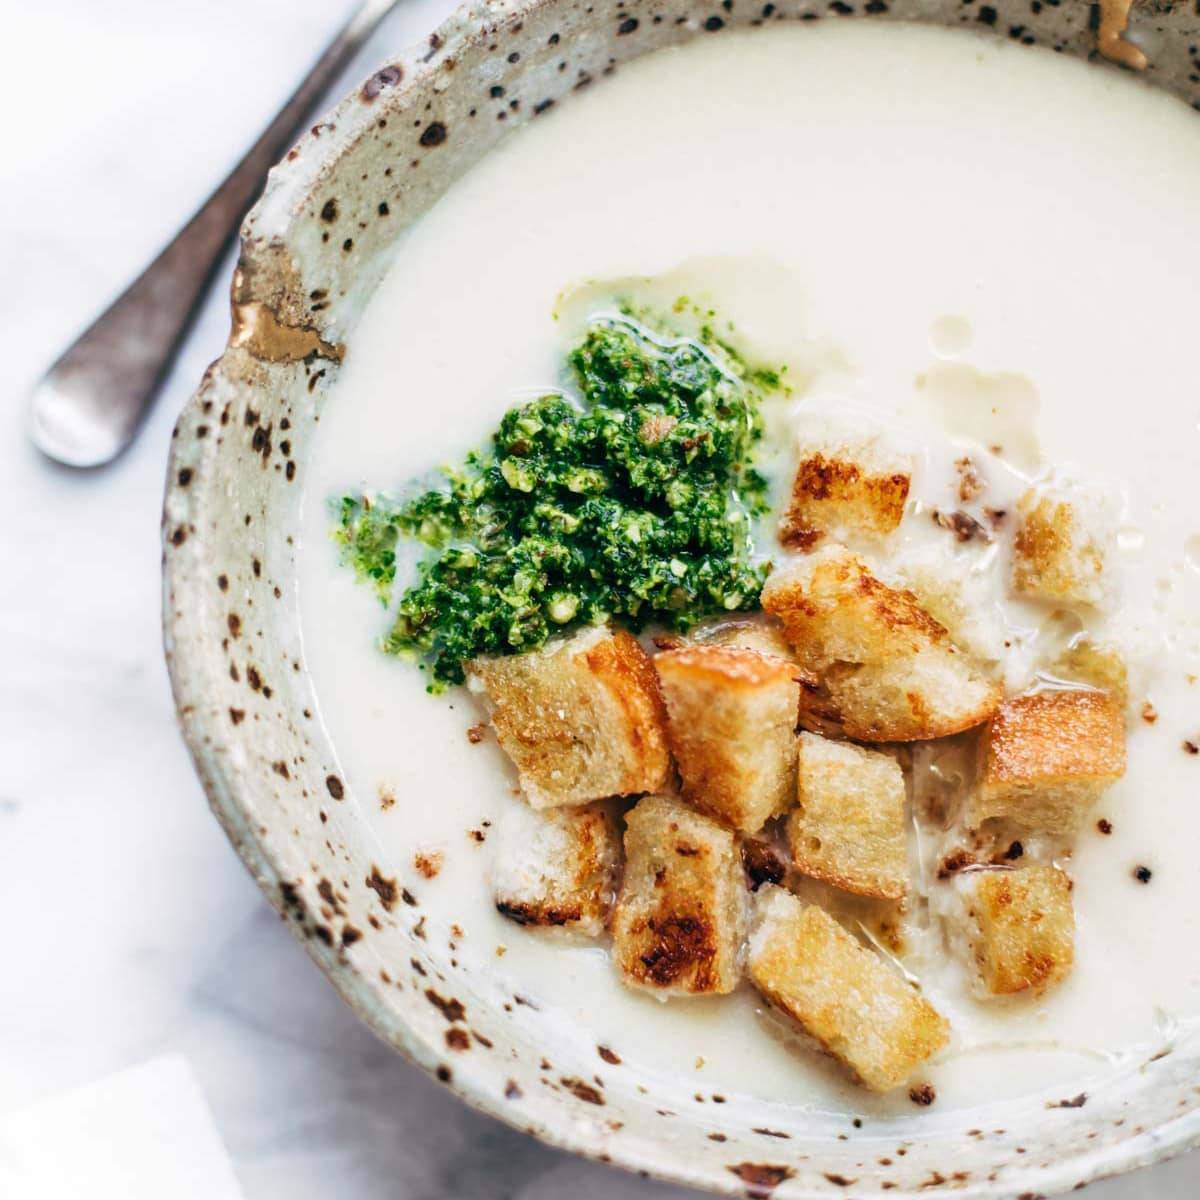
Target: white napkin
point(143, 1134)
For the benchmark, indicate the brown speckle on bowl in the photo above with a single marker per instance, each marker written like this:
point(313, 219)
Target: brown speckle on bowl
point(387, 77)
point(761, 1179)
point(434, 134)
point(582, 1090)
point(452, 1009)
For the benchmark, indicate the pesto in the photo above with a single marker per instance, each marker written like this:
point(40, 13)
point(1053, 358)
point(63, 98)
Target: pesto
point(634, 502)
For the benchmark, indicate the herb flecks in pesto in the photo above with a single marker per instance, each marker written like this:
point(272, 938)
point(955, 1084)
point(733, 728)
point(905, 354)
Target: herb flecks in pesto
point(367, 532)
point(634, 503)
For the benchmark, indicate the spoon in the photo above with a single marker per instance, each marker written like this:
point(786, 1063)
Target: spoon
point(88, 407)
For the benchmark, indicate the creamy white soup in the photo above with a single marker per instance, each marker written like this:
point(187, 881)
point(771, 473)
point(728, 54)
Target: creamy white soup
point(983, 250)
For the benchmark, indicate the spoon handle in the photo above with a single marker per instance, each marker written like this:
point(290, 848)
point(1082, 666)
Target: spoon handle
point(87, 408)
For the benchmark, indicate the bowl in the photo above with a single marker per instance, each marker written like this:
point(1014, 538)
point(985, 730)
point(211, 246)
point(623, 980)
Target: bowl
point(312, 251)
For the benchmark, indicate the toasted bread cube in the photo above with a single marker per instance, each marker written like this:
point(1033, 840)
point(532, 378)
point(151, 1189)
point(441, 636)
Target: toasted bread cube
point(1098, 664)
point(680, 917)
point(848, 485)
point(1021, 927)
point(840, 992)
point(581, 718)
point(847, 828)
point(731, 724)
point(1045, 759)
point(1060, 548)
point(888, 671)
point(959, 598)
point(764, 636)
point(557, 867)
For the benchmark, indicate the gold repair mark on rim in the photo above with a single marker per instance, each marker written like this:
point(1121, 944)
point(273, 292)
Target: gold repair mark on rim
point(257, 329)
point(1110, 37)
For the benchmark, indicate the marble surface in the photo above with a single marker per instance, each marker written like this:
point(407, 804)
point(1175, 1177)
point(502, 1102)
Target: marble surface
point(141, 1134)
point(132, 929)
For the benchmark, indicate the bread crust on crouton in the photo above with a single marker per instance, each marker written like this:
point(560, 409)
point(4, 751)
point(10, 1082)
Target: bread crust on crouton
point(680, 918)
point(888, 671)
point(557, 867)
point(848, 826)
point(1046, 757)
point(839, 992)
point(1055, 555)
point(1022, 928)
point(731, 721)
point(846, 485)
point(581, 718)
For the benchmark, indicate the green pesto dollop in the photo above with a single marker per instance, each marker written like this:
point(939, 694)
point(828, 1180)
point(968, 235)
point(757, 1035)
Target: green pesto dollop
point(634, 502)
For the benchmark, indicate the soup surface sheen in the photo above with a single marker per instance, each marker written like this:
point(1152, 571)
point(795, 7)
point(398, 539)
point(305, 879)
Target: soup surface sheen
point(963, 238)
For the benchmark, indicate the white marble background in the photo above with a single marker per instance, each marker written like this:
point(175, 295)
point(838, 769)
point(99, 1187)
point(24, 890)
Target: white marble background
point(131, 930)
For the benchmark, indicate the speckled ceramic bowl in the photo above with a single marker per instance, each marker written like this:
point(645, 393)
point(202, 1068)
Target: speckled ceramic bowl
point(313, 250)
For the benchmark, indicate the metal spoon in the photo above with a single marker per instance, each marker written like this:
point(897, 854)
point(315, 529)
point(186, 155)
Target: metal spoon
point(89, 405)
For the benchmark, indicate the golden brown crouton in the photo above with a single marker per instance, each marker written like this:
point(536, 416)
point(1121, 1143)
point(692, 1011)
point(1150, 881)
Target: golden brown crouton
point(950, 588)
point(847, 485)
point(581, 718)
point(839, 992)
point(731, 723)
point(1045, 759)
point(557, 867)
point(764, 636)
point(680, 917)
point(1059, 551)
point(847, 828)
point(1021, 927)
point(888, 671)
point(1098, 664)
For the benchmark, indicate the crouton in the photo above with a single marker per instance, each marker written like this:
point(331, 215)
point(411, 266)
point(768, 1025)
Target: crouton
point(1046, 757)
point(731, 724)
point(847, 485)
point(839, 992)
point(581, 718)
point(558, 867)
point(888, 671)
point(956, 595)
point(847, 828)
point(1098, 664)
point(1020, 928)
point(764, 636)
point(1060, 548)
point(680, 918)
